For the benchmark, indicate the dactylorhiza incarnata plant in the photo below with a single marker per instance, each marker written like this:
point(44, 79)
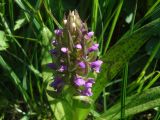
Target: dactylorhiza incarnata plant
point(75, 61)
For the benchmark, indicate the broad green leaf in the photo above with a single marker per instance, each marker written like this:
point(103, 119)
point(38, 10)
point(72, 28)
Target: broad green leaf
point(46, 36)
point(60, 107)
point(134, 104)
point(120, 53)
point(3, 41)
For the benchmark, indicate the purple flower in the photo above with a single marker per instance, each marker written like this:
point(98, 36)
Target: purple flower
point(82, 64)
point(62, 68)
point(58, 83)
point(53, 51)
point(96, 65)
point(54, 42)
point(64, 49)
point(52, 65)
point(89, 35)
point(94, 47)
point(79, 81)
point(84, 31)
point(78, 46)
point(89, 83)
point(58, 32)
point(87, 92)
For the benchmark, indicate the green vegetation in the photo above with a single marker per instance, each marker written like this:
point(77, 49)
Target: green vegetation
point(127, 87)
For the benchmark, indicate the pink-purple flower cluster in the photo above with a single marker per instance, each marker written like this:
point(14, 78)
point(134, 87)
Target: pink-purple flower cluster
point(75, 60)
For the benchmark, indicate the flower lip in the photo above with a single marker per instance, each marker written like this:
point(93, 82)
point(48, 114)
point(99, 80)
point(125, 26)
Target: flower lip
point(82, 64)
point(58, 32)
point(64, 49)
point(57, 83)
point(94, 47)
point(78, 46)
point(87, 92)
point(79, 81)
point(54, 42)
point(89, 35)
point(96, 65)
point(62, 68)
point(89, 83)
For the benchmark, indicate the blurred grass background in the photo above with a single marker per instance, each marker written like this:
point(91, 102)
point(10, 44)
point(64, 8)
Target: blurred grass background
point(26, 31)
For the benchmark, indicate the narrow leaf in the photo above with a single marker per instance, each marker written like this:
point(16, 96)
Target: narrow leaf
point(135, 104)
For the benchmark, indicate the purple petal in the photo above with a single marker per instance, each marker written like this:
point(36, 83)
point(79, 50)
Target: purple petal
point(89, 83)
point(58, 32)
point(58, 83)
point(94, 47)
point(54, 42)
point(82, 64)
point(52, 65)
point(96, 65)
point(87, 92)
point(62, 68)
point(79, 81)
point(89, 35)
point(64, 49)
point(53, 52)
point(78, 46)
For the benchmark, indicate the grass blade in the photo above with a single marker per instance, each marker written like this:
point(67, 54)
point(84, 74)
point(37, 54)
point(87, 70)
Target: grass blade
point(113, 25)
point(134, 104)
point(15, 79)
point(123, 92)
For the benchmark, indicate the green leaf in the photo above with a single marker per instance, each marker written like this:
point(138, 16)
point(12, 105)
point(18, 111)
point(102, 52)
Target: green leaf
point(134, 104)
point(3, 41)
point(46, 36)
point(121, 52)
point(19, 23)
point(60, 107)
point(15, 79)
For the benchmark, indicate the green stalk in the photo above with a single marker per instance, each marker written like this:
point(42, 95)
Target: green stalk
point(94, 14)
point(104, 100)
point(125, 76)
point(113, 25)
point(152, 8)
point(123, 91)
point(152, 81)
point(155, 50)
point(51, 16)
point(157, 117)
point(11, 13)
point(104, 29)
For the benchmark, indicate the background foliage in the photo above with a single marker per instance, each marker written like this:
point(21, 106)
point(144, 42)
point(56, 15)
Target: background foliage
point(129, 38)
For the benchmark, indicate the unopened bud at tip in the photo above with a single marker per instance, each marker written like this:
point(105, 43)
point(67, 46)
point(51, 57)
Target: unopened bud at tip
point(65, 21)
point(74, 25)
